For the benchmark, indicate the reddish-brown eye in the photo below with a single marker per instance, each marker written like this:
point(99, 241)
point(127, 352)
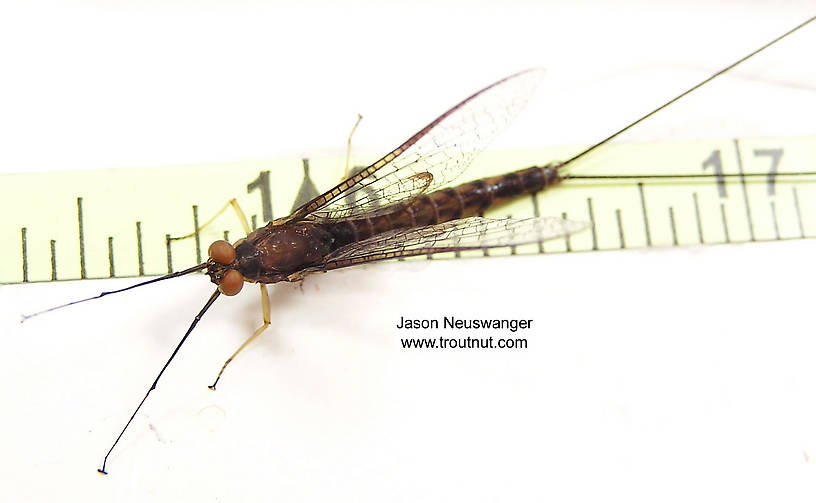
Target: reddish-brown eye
point(222, 252)
point(231, 283)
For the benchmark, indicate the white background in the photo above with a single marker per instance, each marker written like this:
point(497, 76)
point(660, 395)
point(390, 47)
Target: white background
point(662, 374)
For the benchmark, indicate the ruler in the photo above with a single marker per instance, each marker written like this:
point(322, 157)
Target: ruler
point(124, 222)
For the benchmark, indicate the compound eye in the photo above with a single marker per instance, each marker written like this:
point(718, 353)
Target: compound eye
point(222, 252)
point(231, 283)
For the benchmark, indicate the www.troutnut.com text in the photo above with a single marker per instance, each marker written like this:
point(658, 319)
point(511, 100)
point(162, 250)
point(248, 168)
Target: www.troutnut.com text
point(449, 322)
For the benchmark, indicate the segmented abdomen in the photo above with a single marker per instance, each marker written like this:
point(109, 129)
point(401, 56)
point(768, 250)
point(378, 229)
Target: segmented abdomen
point(466, 200)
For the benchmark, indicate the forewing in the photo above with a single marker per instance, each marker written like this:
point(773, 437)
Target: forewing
point(464, 234)
point(439, 152)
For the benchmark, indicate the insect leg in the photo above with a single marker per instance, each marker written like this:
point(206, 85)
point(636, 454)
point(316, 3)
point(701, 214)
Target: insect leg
point(266, 322)
point(348, 147)
point(231, 203)
point(241, 217)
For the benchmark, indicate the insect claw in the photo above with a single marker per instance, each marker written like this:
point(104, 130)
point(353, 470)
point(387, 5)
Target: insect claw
point(100, 470)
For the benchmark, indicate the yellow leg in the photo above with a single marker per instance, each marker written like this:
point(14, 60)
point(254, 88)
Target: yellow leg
point(238, 211)
point(266, 322)
point(348, 146)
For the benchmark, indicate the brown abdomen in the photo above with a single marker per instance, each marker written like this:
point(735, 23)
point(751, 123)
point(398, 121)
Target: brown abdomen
point(466, 200)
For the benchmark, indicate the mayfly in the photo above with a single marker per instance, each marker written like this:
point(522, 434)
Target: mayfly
point(397, 207)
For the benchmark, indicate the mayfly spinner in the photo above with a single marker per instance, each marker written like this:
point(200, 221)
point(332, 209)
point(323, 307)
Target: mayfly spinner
point(397, 207)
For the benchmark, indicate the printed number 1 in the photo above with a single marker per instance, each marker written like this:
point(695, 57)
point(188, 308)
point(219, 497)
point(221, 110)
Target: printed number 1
point(715, 161)
point(262, 183)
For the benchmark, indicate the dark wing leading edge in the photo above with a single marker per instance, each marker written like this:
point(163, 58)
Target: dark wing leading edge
point(434, 156)
point(474, 233)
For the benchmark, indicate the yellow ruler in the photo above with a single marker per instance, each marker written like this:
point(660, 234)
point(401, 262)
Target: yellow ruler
point(121, 222)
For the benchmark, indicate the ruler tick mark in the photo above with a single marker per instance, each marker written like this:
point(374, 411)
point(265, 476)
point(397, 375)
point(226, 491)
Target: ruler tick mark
point(53, 260)
point(24, 244)
point(592, 221)
point(484, 251)
point(139, 248)
point(537, 213)
point(620, 227)
point(167, 240)
point(775, 223)
point(798, 212)
point(673, 226)
point(744, 190)
point(82, 273)
point(645, 216)
point(567, 237)
point(198, 236)
point(513, 247)
point(699, 219)
point(725, 223)
point(111, 270)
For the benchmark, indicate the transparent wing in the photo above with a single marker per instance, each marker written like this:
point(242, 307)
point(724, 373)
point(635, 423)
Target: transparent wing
point(464, 234)
point(434, 156)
